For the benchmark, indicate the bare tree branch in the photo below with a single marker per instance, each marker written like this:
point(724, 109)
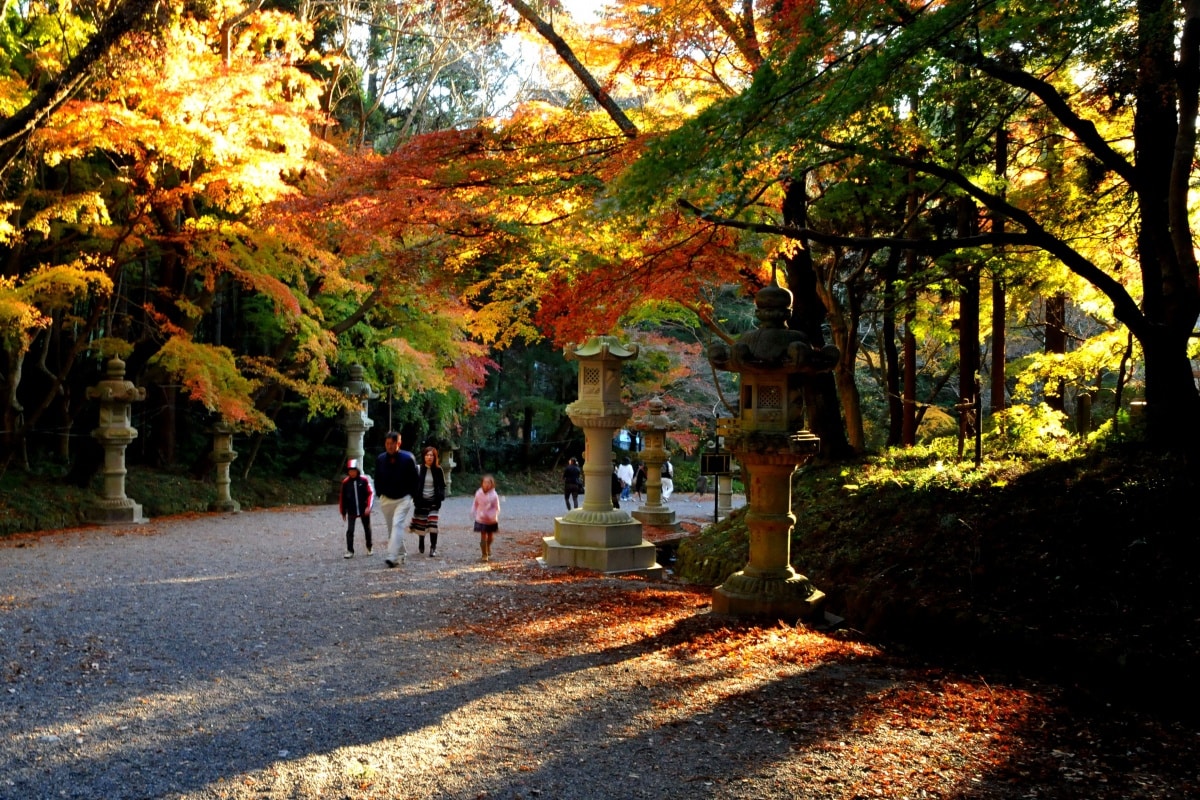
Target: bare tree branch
point(569, 58)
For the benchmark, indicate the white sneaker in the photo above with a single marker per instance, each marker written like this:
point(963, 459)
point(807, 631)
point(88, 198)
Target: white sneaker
point(348, 555)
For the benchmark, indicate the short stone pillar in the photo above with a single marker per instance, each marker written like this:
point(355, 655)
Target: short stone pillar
point(448, 465)
point(772, 361)
point(654, 426)
point(356, 421)
point(596, 535)
point(223, 456)
point(114, 434)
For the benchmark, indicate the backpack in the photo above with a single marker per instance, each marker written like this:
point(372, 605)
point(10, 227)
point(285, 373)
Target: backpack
point(667, 470)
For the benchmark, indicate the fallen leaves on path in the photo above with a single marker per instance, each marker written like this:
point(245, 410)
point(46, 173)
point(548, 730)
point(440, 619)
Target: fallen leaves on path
point(866, 722)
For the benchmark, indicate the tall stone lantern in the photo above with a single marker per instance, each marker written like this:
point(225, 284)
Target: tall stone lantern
point(356, 421)
point(767, 441)
point(114, 434)
point(654, 426)
point(223, 456)
point(596, 535)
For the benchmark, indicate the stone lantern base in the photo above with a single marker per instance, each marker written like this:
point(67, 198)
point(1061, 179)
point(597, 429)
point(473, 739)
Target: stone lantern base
point(605, 541)
point(788, 598)
point(661, 517)
point(115, 512)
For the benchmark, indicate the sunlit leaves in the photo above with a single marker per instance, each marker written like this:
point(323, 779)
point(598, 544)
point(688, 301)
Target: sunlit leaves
point(210, 376)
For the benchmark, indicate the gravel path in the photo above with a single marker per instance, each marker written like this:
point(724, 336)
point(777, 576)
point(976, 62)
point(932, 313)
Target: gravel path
point(239, 656)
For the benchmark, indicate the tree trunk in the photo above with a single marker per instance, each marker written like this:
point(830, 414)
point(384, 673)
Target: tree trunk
point(821, 397)
point(891, 357)
point(908, 428)
point(999, 300)
point(968, 336)
point(1056, 343)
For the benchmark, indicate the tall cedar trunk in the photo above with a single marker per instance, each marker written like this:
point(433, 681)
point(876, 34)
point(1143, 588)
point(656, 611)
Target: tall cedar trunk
point(968, 335)
point(1164, 150)
point(968, 314)
point(999, 300)
point(908, 419)
point(808, 316)
point(891, 357)
point(1056, 343)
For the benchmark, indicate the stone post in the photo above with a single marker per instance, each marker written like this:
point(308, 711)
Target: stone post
point(448, 465)
point(772, 361)
point(114, 434)
point(654, 426)
point(596, 535)
point(223, 456)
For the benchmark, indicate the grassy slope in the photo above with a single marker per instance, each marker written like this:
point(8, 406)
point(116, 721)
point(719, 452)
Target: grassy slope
point(1082, 572)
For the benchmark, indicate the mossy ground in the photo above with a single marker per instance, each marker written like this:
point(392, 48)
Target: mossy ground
point(1082, 571)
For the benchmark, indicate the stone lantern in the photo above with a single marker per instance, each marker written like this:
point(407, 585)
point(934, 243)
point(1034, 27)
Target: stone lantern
point(223, 456)
point(654, 426)
point(596, 535)
point(766, 439)
point(355, 421)
point(114, 434)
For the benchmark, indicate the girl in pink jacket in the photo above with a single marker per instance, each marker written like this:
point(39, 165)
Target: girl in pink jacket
point(486, 511)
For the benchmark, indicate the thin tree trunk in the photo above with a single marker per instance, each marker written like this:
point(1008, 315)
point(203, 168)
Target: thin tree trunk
point(581, 72)
point(999, 298)
point(1056, 343)
point(891, 357)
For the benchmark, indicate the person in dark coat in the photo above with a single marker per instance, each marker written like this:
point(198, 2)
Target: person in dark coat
point(572, 483)
point(428, 501)
point(355, 502)
point(396, 485)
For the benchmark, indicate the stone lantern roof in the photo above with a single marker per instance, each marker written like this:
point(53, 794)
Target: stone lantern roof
point(655, 418)
point(772, 347)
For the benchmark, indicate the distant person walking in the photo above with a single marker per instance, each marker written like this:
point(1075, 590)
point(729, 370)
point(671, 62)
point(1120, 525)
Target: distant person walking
point(639, 481)
point(701, 486)
point(625, 473)
point(617, 487)
point(354, 502)
point(396, 483)
point(668, 480)
point(428, 502)
point(486, 513)
point(572, 483)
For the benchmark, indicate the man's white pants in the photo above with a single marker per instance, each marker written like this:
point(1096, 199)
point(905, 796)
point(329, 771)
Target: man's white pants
point(396, 516)
point(668, 487)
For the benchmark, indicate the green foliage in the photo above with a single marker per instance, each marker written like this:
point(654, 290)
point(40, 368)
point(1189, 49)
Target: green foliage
point(1022, 431)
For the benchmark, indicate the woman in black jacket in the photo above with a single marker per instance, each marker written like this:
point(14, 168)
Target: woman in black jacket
point(431, 491)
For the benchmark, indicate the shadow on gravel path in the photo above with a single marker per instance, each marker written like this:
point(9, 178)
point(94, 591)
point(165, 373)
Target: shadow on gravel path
point(239, 656)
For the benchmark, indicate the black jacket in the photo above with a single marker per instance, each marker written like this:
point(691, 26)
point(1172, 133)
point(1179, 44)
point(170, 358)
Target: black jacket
point(396, 475)
point(439, 489)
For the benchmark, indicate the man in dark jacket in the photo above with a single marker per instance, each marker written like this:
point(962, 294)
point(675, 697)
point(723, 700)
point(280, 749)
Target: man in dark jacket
point(395, 484)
